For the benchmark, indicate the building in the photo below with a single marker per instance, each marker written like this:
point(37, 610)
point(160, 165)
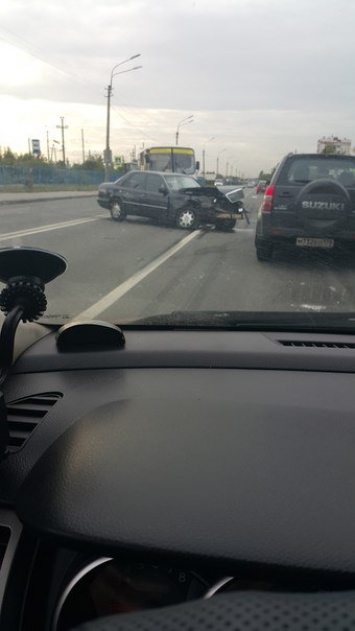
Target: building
point(333, 144)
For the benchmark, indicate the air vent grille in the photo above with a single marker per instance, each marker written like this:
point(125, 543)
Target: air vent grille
point(311, 344)
point(23, 415)
point(4, 540)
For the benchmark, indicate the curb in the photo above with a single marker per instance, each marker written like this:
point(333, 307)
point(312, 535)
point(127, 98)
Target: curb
point(32, 200)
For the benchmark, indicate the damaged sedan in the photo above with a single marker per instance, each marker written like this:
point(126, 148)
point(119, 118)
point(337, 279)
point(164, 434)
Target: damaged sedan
point(173, 198)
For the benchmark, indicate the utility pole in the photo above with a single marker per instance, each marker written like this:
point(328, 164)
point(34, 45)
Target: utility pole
point(204, 156)
point(62, 127)
point(47, 134)
point(83, 145)
point(108, 152)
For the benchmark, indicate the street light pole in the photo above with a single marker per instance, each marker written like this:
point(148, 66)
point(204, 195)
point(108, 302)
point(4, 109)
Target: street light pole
point(232, 167)
point(227, 165)
point(108, 152)
point(184, 121)
point(217, 166)
point(204, 156)
point(54, 150)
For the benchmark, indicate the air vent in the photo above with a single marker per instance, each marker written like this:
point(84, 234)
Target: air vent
point(23, 415)
point(310, 344)
point(4, 540)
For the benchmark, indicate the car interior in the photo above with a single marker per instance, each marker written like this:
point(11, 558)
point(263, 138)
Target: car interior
point(177, 315)
point(168, 478)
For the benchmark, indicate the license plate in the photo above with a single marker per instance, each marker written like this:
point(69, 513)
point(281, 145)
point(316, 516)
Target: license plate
point(227, 216)
point(305, 242)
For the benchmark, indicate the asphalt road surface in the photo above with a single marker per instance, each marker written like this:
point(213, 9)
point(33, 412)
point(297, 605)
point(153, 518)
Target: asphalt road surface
point(122, 271)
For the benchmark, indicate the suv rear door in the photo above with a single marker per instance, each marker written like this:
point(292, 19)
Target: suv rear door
point(315, 195)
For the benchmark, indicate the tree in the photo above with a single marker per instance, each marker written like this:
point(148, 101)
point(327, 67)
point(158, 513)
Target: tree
point(329, 149)
point(94, 162)
point(8, 157)
point(266, 176)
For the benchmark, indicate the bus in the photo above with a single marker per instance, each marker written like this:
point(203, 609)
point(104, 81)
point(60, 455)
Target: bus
point(169, 159)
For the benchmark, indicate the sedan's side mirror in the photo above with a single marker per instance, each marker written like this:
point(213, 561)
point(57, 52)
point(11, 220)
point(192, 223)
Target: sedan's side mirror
point(197, 166)
point(163, 189)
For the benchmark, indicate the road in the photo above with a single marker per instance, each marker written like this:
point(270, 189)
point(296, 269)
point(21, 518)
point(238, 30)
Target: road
point(123, 271)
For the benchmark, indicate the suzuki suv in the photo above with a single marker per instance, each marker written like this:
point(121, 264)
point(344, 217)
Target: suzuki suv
point(309, 203)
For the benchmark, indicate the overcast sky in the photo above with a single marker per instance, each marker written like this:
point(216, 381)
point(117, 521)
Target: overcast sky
point(262, 77)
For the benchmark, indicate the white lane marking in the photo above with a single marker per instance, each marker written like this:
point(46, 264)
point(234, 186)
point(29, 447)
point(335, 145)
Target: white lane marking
point(47, 228)
point(119, 291)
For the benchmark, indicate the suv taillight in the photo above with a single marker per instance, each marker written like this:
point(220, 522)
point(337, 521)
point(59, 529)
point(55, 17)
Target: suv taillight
point(268, 198)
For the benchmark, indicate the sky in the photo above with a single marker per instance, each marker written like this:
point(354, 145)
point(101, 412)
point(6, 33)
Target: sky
point(261, 78)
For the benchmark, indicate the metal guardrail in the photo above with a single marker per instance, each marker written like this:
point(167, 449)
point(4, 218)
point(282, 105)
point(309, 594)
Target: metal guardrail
point(31, 176)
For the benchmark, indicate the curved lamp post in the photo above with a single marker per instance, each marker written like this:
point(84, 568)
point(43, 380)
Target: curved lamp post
point(184, 121)
point(108, 152)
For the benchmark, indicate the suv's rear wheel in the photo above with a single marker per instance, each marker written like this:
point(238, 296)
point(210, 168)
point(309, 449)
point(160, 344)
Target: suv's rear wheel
point(186, 219)
point(264, 249)
point(117, 212)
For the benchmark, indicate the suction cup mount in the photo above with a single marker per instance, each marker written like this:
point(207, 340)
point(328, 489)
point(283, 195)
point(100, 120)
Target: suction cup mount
point(25, 272)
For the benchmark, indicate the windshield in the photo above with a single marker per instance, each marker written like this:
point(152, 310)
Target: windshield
point(174, 159)
point(176, 183)
point(254, 94)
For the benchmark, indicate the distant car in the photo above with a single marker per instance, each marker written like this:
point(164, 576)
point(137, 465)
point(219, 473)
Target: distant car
point(218, 183)
point(261, 186)
point(251, 184)
point(168, 197)
point(309, 203)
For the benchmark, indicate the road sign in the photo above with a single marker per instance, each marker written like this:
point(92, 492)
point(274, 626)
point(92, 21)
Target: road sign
point(36, 147)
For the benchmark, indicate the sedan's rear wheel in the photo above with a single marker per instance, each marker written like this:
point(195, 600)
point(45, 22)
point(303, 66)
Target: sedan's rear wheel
point(187, 219)
point(117, 212)
point(225, 225)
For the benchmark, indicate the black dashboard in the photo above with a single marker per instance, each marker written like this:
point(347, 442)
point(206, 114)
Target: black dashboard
point(183, 465)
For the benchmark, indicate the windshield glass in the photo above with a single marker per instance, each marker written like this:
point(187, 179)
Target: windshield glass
point(253, 96)
point(175, 183)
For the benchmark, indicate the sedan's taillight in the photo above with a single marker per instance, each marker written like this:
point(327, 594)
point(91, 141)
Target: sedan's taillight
point(268, 198)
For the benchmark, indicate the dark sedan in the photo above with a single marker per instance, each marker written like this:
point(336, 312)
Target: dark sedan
point(169, 197)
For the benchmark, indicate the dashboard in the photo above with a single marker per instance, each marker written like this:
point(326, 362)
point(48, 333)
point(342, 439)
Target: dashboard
point(181, 468)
